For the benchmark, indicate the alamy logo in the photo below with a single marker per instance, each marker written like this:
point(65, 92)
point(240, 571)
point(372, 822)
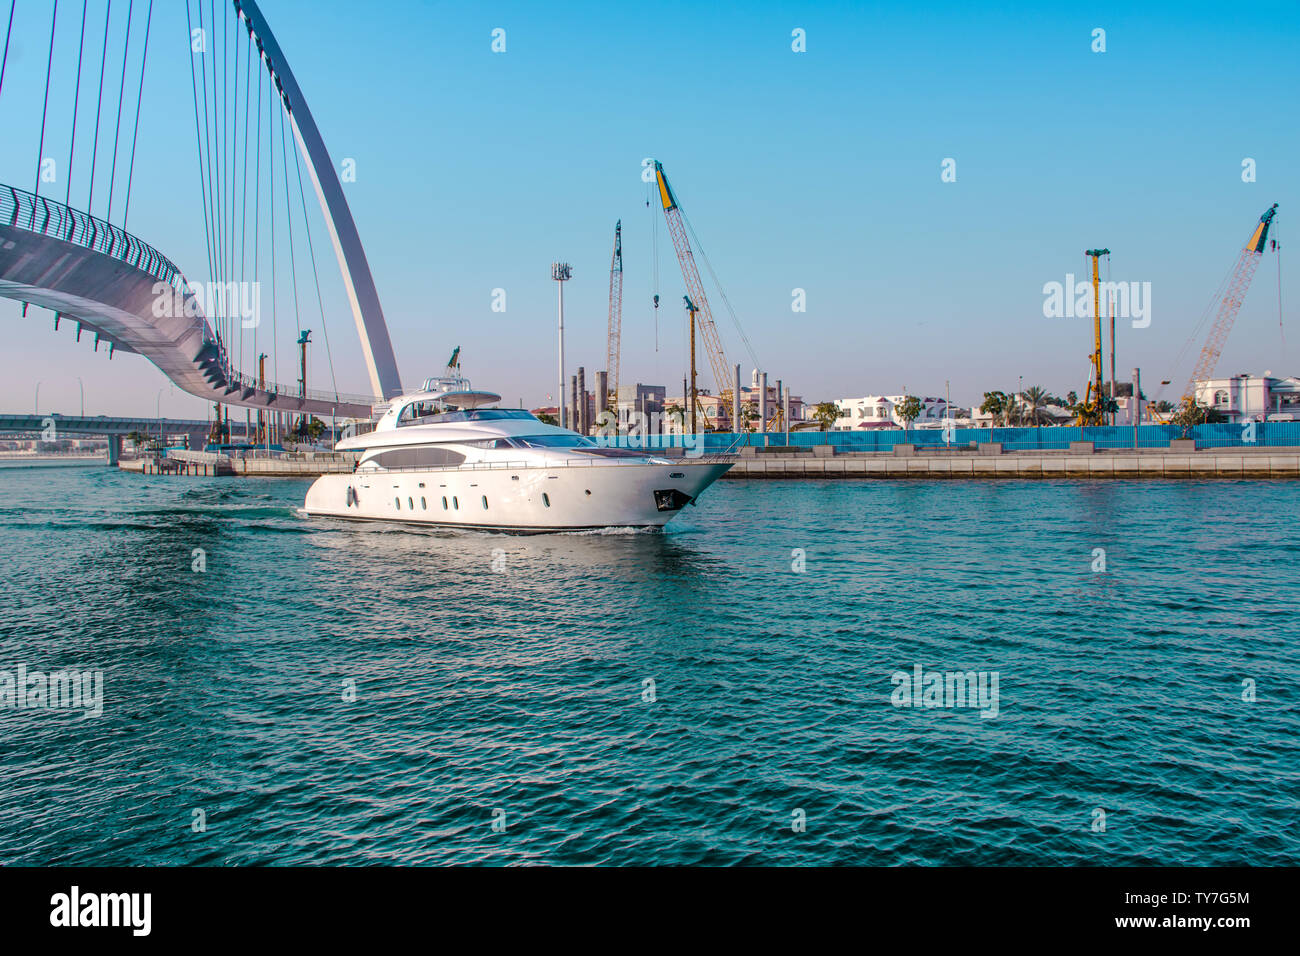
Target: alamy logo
point(74, 908)
point(922, 688)
point(58, 690)
point(1068, 300)
point(237, 300)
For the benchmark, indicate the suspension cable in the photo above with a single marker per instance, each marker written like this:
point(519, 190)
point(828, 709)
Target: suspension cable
point(41, 148)
point(198, 137)
point(76, 100)
point(135, 135)
point(288, 215)
point(99, 104)
point(206, 153)
point(257, 209)
point(270, 142)
point(243, 206)
point(121, 91)
point(4, 61)
point(320, 301)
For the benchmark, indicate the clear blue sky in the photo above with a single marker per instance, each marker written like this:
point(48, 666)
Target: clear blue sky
point(816, 170)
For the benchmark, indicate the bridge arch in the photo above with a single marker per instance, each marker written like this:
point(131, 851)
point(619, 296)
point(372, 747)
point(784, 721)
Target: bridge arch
point(363, 296)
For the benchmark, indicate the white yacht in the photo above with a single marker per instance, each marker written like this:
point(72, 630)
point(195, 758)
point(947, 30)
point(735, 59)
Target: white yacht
point(449, 455)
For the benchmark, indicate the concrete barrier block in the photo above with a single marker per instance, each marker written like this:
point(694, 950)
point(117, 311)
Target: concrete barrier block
point(1082, 448)
point(1151, 464)
point(904, 451)
point(990, 448)
point(1182, 444)
point(823, 451)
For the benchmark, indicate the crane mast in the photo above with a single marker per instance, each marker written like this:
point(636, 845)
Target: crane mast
point(694, 287)
point(1094, 410)
point(615, 335)
point(1242, 273)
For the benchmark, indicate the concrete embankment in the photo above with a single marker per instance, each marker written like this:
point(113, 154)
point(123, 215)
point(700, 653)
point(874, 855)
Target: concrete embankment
point(1147, 463)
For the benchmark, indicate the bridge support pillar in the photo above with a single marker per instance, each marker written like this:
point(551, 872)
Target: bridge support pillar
point(114, 450)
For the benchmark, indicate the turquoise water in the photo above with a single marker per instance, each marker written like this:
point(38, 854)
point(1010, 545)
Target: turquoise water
point(497, 673)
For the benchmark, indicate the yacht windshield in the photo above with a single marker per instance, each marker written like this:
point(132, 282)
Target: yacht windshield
point(426, 415)
point(554, 441)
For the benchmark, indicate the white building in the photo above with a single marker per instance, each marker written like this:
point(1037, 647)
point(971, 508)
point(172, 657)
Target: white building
point(879, 411)
point(1261, 397)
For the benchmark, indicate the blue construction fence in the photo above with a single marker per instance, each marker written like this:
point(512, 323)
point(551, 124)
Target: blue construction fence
point(1024, 439)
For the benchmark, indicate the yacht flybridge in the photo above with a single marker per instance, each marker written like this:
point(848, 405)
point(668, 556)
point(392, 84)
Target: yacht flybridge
point(449, 455)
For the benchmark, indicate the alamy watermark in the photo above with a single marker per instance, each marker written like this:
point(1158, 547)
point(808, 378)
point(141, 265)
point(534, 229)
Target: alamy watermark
point(236, 300)
point(57, 690)
point(1071, 300)
point(647, 431)
point(949, 689)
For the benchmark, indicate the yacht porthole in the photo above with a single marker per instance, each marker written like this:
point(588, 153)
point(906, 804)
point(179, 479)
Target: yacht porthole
point(411, 502)
point(588, 492)
point(485, 502)
point(546, 500)
point(424, 505)
point(454, 503)
point(397, 503)
point(444, 502)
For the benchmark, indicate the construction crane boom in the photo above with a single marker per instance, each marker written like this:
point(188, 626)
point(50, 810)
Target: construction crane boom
point(1242, 273)
point(614, 340)
point(694, 287)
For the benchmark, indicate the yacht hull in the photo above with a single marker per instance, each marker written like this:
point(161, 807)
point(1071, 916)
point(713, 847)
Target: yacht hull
point(530, 499)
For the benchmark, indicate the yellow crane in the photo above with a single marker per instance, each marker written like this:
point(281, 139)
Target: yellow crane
point(1093, 410)
point(698, 303)
point(1230, 305)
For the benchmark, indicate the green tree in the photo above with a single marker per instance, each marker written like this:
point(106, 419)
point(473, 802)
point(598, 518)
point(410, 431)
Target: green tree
point(908, 411)
point(825, 413)
point(996, 404)
point(1192, 413)
point(546, 419)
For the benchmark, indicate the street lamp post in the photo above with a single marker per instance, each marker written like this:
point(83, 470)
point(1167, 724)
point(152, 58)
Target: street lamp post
point(36, 405)
point(83, 396)
point(561, 273)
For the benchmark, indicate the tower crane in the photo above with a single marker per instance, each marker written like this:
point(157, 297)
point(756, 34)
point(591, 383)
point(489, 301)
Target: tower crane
point(1230, 305)
point(614, 339)
point(699, 303)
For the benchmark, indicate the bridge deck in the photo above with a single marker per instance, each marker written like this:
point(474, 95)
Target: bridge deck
point(133, 298)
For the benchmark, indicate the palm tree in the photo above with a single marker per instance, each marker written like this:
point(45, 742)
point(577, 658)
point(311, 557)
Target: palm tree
point(1036, 397)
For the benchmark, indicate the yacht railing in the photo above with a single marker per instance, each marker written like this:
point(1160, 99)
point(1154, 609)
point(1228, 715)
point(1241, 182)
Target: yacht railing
point(714, 459)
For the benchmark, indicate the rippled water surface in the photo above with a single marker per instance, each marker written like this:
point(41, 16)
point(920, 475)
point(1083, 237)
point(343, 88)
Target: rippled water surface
point(496, 673)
